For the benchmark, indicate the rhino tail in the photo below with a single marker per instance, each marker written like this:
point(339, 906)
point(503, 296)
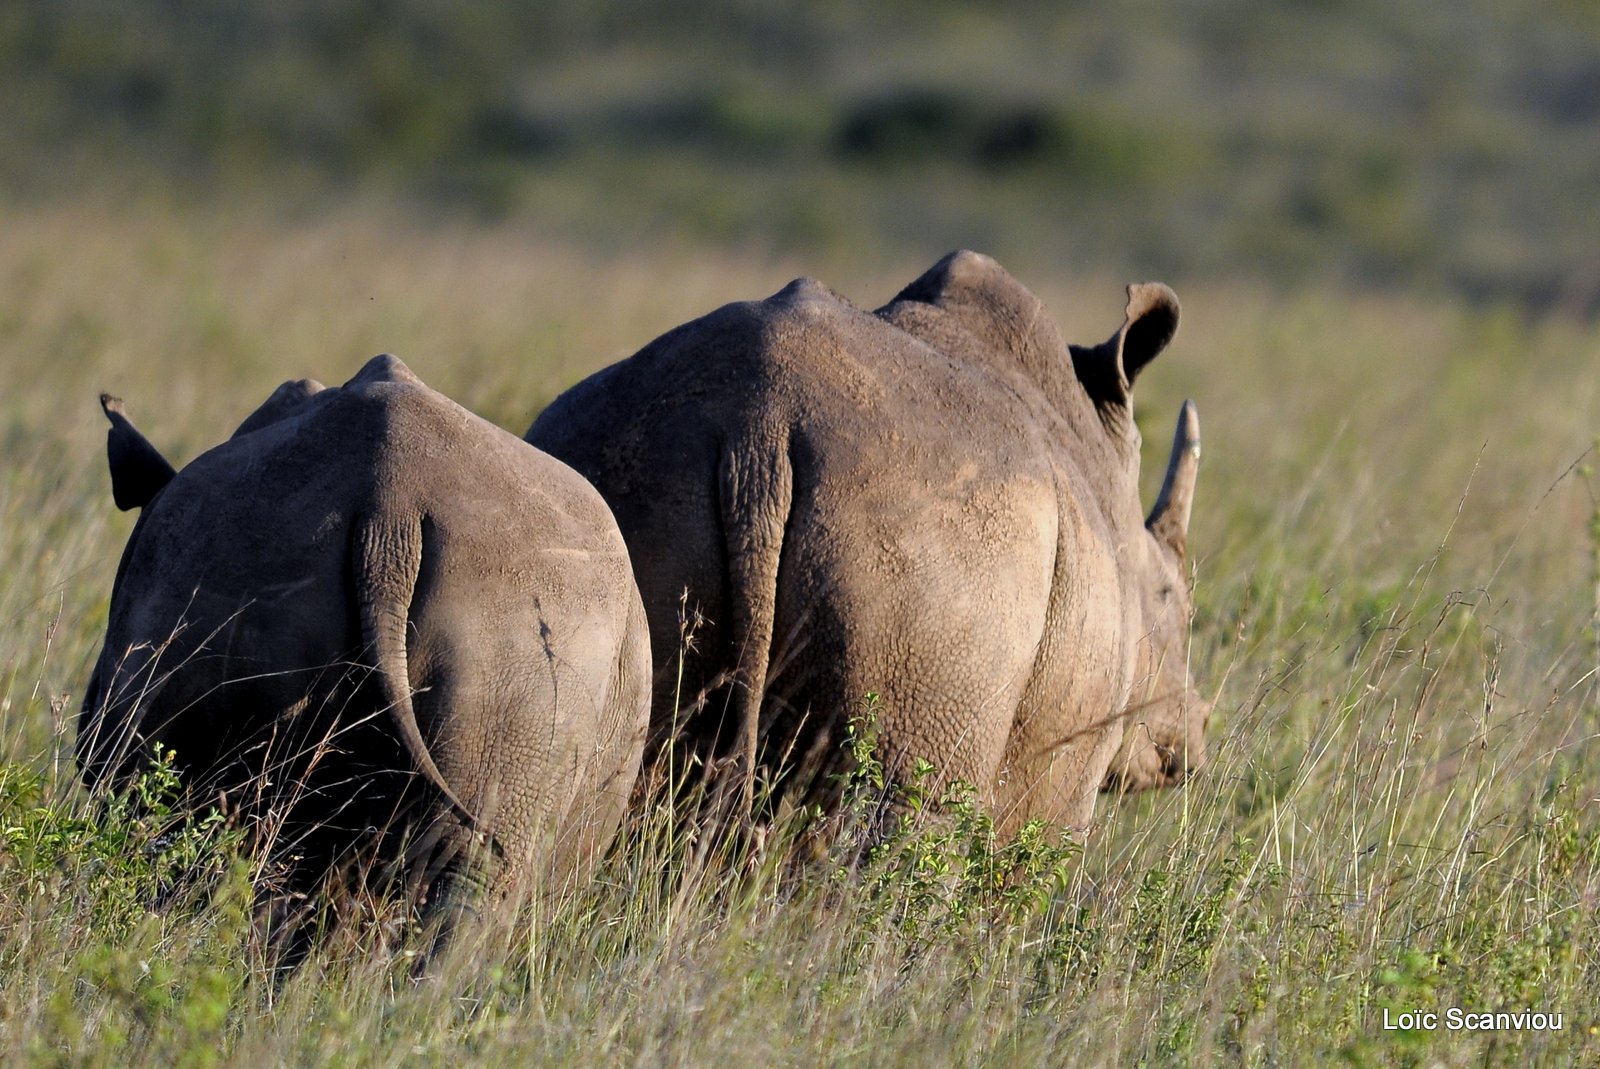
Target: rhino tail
point(386, 560)
point(755, 488)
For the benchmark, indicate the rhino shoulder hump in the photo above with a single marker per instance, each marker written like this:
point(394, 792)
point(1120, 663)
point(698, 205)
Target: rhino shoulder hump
point(964, 278)
point(385, 367)
point(807, 296)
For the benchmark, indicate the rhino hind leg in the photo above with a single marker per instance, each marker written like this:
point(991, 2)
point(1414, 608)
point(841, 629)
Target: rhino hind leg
point(458, 877)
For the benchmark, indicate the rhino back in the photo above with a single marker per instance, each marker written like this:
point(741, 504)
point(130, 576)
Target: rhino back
point(804, 359)
point(804, 372)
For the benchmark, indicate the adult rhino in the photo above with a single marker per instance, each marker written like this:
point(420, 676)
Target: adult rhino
point(936, 502)
point(386, 633)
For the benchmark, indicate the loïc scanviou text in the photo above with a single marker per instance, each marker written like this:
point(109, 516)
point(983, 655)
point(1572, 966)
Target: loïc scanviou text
point(1456, 1019)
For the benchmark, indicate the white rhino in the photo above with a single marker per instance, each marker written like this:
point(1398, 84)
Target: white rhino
point(386, 633)
point(936, 503)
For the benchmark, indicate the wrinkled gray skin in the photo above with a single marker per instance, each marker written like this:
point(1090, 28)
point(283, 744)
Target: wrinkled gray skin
point(387, 631)
point(1165, 723)
point(936, 502)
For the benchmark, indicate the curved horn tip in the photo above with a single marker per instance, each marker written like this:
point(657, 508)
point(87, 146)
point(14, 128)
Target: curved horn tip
point(1169, 519)
point(111, 405)
point(1189, 427)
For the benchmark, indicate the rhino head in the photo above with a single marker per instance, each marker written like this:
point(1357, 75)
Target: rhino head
point(1165, 722)
point(1165, 719)
point(139, 472)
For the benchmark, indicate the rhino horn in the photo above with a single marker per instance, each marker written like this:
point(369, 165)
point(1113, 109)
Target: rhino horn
point(1108, 370)
point(1169, 520)
point(138, 470)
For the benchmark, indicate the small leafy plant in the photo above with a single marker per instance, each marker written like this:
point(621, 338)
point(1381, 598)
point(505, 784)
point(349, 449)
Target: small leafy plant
point(930, 862)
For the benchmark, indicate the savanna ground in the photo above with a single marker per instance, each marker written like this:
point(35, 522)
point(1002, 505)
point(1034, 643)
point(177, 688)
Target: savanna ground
point(1395, 550)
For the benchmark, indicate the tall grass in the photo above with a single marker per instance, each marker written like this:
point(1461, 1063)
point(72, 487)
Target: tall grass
point(1395, 565)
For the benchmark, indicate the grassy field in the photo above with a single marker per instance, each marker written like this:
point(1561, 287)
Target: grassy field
point(1397, 564)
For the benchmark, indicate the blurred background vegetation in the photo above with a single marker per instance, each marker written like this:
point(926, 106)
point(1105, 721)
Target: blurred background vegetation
point(1450, 148)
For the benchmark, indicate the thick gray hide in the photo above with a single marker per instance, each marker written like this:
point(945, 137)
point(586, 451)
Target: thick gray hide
point(936, 502)
point(371, 609)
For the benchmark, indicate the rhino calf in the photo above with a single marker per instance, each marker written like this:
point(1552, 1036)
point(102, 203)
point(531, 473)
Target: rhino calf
point(936, 502)
point(384, 632)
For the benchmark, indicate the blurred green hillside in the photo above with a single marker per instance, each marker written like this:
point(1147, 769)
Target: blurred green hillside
point(1372, 144)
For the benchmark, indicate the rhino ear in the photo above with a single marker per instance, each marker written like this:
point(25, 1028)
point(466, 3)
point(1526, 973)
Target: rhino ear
point(1108, 370)
point(138, 470)
point(284, 400)
point(1169, 519)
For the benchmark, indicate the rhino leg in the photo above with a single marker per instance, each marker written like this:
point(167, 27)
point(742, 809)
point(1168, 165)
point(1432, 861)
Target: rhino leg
point(460, 895)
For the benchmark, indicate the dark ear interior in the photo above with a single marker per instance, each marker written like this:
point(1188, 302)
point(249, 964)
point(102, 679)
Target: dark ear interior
point(138, 470)
point(1109, 369)
point(1097, 368)
point(1152, 322)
